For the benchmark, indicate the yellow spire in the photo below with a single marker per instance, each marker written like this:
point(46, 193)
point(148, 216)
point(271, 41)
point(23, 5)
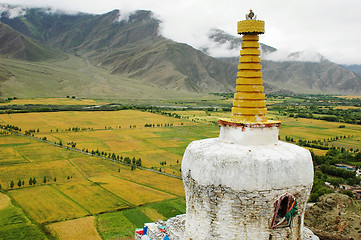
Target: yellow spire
point(249, 105)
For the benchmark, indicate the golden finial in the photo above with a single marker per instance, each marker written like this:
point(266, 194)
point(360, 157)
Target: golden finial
point(250, 14)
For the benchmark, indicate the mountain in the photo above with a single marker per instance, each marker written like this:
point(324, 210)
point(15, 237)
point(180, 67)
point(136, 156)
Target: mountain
point(354, 67)
point(311, 77)
point(221, 38)
point(294, 74)
point(132, 47)
point(16, 45)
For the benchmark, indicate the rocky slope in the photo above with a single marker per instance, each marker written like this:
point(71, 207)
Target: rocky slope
point(335, 217)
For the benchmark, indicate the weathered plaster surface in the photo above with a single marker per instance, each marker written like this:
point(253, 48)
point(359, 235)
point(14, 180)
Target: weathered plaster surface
point(231, 183)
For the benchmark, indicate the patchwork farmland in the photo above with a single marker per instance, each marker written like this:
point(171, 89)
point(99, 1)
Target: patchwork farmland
point(69, 169)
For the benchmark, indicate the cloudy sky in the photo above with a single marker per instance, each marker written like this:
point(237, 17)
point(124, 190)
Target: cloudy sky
point(330, 27)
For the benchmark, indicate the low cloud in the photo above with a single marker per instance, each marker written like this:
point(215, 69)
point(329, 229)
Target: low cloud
point(302, 56)
point(11, 11)
point(222, 50)
point(123, 16)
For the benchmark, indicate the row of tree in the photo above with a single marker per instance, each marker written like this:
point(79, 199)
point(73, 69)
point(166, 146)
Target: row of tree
point(159, 125)
point(126, 159)
point(10, 127)
point(319, 144)
point(32, 181)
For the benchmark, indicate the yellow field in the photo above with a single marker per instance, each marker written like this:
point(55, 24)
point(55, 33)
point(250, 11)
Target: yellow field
point(4, 201)
point(94, 166)
point(90, 196)
point(312, 129)
point(131, 192)
point(43, 152)
point(317, 151)
point(140, 142)
point(46, 204)
point(78, 229)
point(52, 101)
point(346, 107)
point(96, 185)
point(153, 157)
point(8, 155)
point(99, 186)
point(57, 169)
point(153, 214)
point(161, 182)
point(46, 122)
point(13, 140)
point(350, 97)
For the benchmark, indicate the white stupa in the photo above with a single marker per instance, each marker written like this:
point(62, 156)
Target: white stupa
point(245, 184)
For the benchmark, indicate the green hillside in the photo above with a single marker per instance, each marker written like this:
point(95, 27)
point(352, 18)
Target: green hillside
point(77, 77)
point(16, 45)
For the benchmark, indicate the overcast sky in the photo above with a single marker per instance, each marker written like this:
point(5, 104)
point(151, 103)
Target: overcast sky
point(332, 27)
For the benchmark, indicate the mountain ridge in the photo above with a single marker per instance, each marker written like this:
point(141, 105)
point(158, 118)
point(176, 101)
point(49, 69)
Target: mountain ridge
point(134, 48)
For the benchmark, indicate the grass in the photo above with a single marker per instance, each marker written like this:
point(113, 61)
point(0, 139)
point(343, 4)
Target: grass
point(169, 208)
point(75, 229)
point(118, 224)
point(45, 204)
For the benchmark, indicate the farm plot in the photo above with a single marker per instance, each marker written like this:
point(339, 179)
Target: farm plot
point(44, 152)
point(131, 192)
point(9, 156)
point(311, 129)
point(94, 166)
point(58, 170)
point(169, 208)
point(8, 153)
point(154, 180)
point(50, 122)
point(121, 225)
point(14, 224)
point(45, 204)
point(91, 197)
point(77, 229)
